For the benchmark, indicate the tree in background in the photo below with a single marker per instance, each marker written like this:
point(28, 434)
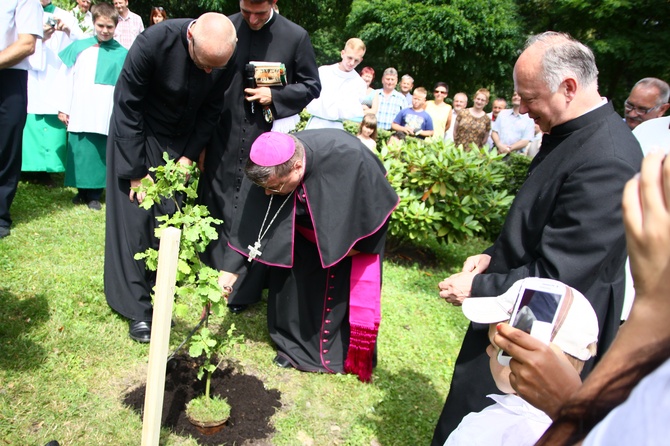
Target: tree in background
point(467, 43)
point(630, 39)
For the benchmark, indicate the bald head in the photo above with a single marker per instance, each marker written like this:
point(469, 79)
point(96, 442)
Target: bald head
point(212, 41)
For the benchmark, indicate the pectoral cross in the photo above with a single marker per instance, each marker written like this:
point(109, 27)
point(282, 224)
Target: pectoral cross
point(254, 251)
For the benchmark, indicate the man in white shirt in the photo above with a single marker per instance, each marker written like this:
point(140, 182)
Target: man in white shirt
point(342, 89)
point(647, 100)
point(406, 87)
point(21, 22)
point(512, 130)
point(130, 24)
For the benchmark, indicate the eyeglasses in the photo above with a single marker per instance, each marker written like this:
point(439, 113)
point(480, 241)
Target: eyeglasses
point(639, 110)
point(275, 191)
point(440, 92)
point(272, 189)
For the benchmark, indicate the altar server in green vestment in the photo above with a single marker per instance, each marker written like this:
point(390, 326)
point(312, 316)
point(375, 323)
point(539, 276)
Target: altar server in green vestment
point(93, 66)
point(44, 136)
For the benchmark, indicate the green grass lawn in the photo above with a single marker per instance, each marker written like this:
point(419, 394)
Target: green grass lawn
point(66, 360)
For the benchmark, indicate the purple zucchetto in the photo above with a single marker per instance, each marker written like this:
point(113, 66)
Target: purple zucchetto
point(272, 149)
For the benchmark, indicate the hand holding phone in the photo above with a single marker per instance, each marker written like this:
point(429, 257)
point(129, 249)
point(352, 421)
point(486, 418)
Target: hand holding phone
point(535, 311)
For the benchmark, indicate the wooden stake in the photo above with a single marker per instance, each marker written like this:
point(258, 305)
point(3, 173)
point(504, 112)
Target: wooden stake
point(166, 276)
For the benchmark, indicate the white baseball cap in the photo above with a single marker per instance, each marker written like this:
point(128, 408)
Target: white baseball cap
point(576, 330)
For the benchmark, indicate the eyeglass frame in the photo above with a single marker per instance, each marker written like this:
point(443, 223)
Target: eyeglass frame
point(639, 110)
point(445, 92)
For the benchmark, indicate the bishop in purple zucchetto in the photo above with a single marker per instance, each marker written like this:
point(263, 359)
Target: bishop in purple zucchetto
point(272, 149)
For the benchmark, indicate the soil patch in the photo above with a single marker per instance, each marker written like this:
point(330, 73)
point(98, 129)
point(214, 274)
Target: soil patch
point(408, 255)
point(251, 404)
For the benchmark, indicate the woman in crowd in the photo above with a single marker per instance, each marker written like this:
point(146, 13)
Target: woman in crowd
point(473, 125)
point(370, 100)
point(158, 14)
point(439, 111)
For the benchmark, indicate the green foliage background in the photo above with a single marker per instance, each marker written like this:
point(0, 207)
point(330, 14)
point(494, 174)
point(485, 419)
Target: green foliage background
point(470, 43)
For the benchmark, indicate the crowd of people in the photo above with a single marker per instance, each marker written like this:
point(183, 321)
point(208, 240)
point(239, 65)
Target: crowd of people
point(223, 92)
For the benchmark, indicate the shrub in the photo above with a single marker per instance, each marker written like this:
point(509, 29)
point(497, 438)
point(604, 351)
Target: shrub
point(446, 192)
point(517, 171)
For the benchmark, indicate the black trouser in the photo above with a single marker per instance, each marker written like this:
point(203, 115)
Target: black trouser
point(13, 111)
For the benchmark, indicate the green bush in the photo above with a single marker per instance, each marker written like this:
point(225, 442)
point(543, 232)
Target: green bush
point(517, 171)
point(446, 192)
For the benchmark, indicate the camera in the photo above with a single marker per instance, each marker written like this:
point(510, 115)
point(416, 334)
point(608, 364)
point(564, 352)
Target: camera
point(51, 21)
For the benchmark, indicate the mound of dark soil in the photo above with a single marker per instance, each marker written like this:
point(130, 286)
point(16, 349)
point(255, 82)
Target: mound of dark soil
point(251, 404)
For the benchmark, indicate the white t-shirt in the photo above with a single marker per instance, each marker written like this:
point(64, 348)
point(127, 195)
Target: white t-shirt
point(654, 134)
point(510, 421)
point(19, 17)
point(642, 419)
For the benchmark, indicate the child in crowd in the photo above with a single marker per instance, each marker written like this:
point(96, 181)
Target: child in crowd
point(511, 420)
point(93, 65)
point(415, 121)
point(367, 131)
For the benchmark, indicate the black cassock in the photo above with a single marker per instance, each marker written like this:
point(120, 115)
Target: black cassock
point(162, 103)
point(343, 202)
point(280, 40)
point(565, 224)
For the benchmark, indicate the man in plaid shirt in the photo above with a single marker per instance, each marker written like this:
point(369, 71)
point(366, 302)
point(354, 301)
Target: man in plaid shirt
point(390, 100)
point(130, 24)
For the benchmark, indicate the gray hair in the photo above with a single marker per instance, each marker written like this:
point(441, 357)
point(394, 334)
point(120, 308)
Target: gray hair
point(564, 56)
point(661, 86)
point(407, 77)
point(390, 72)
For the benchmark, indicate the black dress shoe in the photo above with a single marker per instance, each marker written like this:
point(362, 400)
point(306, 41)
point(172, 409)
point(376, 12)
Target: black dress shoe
point(237, 309)
point(4, 232)
point(78, 199)
point(140, 331)
point(282, 362)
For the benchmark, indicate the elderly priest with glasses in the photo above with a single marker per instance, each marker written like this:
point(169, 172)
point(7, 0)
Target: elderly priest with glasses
point(316, 206)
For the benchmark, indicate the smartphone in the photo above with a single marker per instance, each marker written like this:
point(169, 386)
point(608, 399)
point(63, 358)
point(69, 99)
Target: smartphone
point(535, 311)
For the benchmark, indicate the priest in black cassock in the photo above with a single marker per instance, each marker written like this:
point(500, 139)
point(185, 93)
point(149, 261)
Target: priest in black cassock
point(267, 37)
point(168, 98)
point(314, 208)
point(565, 222)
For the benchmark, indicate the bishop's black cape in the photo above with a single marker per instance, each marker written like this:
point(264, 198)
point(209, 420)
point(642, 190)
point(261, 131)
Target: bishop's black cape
point(280, 40)
point(565, 224)
point(162, 103)
point(347, 200)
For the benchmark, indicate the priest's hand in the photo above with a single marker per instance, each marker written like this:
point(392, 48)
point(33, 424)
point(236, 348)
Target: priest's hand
point(201, 160)
point(134, 184)
point(261, 94)
point(476, 264)
point(187, 162)
point(456, 288)
point(541, 374)
point(226, 281)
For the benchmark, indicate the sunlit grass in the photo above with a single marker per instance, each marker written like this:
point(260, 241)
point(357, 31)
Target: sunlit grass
point(66, 360)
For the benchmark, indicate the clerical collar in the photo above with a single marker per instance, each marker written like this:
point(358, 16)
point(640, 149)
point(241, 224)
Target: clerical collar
point(272, 14)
